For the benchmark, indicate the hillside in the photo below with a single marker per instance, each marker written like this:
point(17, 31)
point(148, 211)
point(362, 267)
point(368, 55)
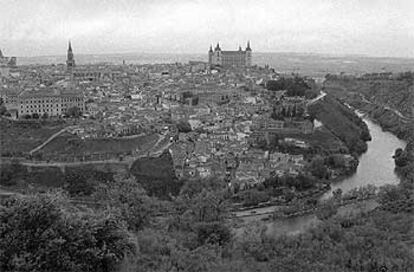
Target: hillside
point(157, 175)
point(342, 122)
point(389, 102)
point(17, 138)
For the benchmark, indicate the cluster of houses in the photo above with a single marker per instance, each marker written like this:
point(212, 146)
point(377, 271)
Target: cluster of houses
point(228, 112)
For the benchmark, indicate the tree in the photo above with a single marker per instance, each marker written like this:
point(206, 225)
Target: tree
point(213, 233)
point(390, 193)
point(326, 210)
point(401, 157)
point(337, 194)
point(317, 167)
point(3, 109)
point(183, 126)
point(82, 181)
point(253, 197)
point(74, 112)
point(193, 187)
point(45, 233)
point(127, 196)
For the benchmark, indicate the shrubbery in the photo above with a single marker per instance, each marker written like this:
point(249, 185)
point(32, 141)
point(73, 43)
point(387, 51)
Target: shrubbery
point(295, 86)
point(45, 233)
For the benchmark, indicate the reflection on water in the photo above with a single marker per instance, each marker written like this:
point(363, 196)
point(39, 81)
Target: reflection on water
point(376, 166)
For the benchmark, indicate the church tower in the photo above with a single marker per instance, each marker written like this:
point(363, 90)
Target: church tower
point(217, 55)
point(210, 55)
point(248, 55)
point(70, 61)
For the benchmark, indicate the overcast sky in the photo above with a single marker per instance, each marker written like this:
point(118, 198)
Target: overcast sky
point(371, 27)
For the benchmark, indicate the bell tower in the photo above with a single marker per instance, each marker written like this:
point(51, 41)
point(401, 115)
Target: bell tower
point(248, 55)
point(70, 61)
point(210, 55)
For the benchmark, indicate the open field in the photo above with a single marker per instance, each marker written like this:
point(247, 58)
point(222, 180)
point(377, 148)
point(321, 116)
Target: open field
point(17, 138)
point(70, 145)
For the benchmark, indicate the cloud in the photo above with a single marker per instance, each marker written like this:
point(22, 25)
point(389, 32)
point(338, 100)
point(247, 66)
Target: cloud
point(379, 27)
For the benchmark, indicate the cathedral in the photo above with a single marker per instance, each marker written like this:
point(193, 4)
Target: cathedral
point(7, 61)
point(70, 61)
point(239, 58)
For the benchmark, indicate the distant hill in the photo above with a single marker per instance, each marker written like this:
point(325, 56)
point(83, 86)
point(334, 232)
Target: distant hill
point(389, 102)
point(307, 64)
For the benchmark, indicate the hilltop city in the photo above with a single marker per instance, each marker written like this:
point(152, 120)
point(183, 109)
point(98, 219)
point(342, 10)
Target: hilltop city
point(215, 165)
point(215, 118)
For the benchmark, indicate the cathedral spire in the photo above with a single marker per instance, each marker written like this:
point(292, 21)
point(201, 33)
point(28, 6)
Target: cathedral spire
point(248, 46)
point(217, 47)
point(70, 61)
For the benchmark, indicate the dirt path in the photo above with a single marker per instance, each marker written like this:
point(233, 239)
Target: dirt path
point(51, 139)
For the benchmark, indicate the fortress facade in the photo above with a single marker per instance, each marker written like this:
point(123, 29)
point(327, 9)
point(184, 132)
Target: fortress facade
point(238, 58)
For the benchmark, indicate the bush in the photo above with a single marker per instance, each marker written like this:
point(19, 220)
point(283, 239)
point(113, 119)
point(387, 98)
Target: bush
point(74, 112)
point(294, 86)
point(318, 168)
point(44, 233)
point(213, 233)
point(183, 126)
point(253, 197)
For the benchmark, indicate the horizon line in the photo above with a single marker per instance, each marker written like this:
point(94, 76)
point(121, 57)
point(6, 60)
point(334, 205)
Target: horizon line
point(361, 55)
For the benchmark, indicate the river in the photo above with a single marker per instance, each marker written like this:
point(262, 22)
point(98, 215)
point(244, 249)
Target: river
point(376, 167)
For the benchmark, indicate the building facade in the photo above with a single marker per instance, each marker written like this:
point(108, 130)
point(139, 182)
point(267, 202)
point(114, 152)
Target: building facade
point(239, 58)
point(44, 102)
point(55, 104)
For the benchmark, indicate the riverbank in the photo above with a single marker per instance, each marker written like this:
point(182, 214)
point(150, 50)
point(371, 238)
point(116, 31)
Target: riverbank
point(376, 167)
point(387, 102)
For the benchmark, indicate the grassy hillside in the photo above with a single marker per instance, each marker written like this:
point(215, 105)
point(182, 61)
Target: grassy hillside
point(18, 138)
point(157, 175)
point(342, 122)
point(389, 102)
point(68, 144)
point(397, 94)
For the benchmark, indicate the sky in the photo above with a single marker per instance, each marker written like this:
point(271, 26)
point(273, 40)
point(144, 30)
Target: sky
point(382, 28)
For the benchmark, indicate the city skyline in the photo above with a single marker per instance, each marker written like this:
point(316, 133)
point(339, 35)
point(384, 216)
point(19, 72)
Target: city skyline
point(373, 28)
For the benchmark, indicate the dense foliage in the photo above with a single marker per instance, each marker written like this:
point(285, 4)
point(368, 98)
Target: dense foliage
point(157, 176)
point(295, 86)
point(183, 126)
point(45, 233)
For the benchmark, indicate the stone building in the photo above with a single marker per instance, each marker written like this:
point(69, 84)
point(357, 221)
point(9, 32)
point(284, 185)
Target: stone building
point(52, 102)
point(239, 58)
